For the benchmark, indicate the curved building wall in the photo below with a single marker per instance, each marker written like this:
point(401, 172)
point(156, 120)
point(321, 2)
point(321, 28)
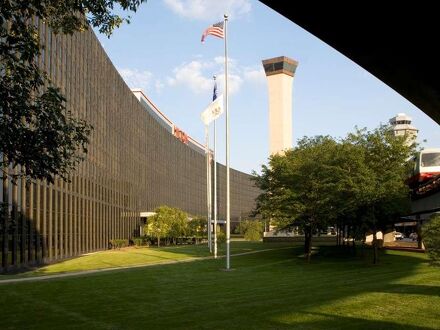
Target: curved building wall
point(133, 165)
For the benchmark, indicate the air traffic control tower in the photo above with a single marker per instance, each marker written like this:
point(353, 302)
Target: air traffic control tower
point(279, 73)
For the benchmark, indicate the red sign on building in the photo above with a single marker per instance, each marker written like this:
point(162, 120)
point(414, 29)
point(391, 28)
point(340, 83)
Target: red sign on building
point(181, 135)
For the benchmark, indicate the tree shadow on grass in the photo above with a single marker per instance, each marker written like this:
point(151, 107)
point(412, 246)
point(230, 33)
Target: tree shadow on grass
point(425, 290)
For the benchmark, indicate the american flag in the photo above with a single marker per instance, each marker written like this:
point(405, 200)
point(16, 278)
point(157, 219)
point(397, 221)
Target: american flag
point(214, 30)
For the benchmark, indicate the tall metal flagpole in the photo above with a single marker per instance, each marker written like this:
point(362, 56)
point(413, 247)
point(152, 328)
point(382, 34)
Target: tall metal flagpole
point(215, 186)
point(208, 187)
point(228, 207)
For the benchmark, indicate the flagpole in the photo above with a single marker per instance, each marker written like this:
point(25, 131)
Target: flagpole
point(228, 207)
point(215, 186)
point(208, 187)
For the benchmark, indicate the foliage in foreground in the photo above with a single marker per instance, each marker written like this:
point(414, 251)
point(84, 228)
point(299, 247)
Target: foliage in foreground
point(37, 132)
point(431, 238)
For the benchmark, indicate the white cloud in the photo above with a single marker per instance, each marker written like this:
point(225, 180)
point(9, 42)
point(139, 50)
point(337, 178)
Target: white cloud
point(137, 79)
point(197, 75)
point(209, 10)
point(159, 85)
point(190, 75)
point(234, 82)
point(221, 60)
point(256, 76)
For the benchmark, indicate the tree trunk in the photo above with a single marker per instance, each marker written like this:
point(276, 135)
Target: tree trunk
point(343, 234)
point(309, 252)
point(354, 247)
point(308, 243)
point(375, 247)
point(375, 251)
point(337, 236)
point(419, 235)
point(158, 241)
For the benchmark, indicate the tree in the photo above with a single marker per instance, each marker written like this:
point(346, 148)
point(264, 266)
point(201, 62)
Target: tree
point(168, 222)
point(197, 227)
point(298, 187)
point(158, 225)
point(357, 182)
point(431, 238)
point(178, 223)
point(384, 196)
point(38, 137)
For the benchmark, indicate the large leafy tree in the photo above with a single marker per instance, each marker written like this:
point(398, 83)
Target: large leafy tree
point(37, 135)
point(356, 182)
point(384, 196)
point(298, 187)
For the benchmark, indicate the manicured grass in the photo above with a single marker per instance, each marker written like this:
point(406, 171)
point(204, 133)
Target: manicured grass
point(137, 256)
point(267, 290)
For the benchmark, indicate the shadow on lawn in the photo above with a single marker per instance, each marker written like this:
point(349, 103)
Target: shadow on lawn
point(365, 278)
point(425, 290)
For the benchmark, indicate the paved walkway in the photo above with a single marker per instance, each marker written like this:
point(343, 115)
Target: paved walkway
point(94, 271)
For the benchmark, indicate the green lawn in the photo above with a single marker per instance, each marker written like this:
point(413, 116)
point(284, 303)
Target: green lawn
point(133, 256)
point(267, 290)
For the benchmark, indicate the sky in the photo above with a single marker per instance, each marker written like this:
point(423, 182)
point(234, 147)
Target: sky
point(160, 52)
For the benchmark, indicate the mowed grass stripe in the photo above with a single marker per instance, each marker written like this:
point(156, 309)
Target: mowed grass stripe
point(39, 275)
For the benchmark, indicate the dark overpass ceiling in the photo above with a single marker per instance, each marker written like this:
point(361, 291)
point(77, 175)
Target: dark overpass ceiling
point(398, 44)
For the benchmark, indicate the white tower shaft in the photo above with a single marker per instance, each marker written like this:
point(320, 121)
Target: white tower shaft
point(280, 72)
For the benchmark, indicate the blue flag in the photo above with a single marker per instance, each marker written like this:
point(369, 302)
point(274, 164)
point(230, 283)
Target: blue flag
point(214, 95)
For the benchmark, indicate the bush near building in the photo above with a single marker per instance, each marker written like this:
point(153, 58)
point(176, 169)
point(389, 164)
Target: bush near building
point(118, 243)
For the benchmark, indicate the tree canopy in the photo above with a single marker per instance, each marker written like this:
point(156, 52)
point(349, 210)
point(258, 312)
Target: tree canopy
point(36, 131)
point(356, 181)
point(168, 222)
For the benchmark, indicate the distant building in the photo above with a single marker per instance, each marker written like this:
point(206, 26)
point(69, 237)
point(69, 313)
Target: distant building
point(401, 125)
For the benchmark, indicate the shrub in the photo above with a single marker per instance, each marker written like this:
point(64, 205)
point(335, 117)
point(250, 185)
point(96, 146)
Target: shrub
point(431, 238)
point(221, 236)
point(252, 230)
point(141, 241)
point(118, 243)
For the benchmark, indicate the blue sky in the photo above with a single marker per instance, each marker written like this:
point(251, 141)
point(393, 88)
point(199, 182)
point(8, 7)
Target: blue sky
point(160, 52)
